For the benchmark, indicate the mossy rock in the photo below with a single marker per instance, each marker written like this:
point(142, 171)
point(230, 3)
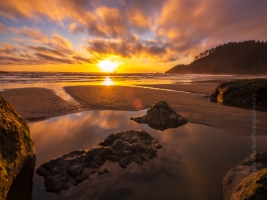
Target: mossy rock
point(254, 187)
point(247, 180)
point(245, 93)
point(17, 154)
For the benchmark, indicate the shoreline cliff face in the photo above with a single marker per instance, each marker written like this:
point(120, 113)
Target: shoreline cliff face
point(17, 154)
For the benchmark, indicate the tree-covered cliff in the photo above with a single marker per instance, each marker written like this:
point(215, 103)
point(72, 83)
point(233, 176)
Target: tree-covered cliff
point(248, 57)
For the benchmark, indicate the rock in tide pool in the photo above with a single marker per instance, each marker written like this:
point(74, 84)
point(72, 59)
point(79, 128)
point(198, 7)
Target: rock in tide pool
point(161, 117)
point(17, 154)
point(242, 93)
point(241, 182)
point(123, 147)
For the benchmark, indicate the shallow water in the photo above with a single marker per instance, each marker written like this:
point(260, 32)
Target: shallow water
point(56, 81)
point(191, 164)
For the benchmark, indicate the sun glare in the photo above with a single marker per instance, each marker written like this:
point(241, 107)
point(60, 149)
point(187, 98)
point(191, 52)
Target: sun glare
point(108, 81)
point(108, 65)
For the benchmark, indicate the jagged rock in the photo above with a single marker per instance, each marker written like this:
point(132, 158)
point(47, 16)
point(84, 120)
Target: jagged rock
point(242, 182)
point(123, 147)
point(17, 154)
point(240, 93)
point(161, 117)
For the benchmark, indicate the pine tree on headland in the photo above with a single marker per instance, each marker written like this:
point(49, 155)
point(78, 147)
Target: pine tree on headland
point(246, 57)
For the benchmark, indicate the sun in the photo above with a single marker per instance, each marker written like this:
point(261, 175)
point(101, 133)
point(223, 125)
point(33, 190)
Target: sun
point(108, 65)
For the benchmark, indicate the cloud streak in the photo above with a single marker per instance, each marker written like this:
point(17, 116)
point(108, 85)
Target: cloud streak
point(157, 51)
point(44, 50)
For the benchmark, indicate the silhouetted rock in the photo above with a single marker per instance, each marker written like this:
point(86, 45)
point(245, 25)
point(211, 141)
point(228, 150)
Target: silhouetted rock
point(161, 117)
point(17, 154)
point(242, 93)
point(123, 147)
point(247, 180)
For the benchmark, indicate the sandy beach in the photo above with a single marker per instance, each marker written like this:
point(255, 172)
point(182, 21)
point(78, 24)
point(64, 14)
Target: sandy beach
point(35, 104)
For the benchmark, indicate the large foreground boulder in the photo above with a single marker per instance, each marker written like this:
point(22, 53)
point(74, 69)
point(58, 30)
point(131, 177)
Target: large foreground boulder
point(17, 154)
point(247, 180)
point(123, 147)
point(247, 93)
point(161, 117)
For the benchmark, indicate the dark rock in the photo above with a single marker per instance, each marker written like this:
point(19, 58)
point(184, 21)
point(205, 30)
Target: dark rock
point(113, 158)
point(161, 117)
point(241, 93)
point(74, 170)
point(100, 172)
point(17, 154)
point(123, 147)
point(70, 169)
point(247, 180)
point(82, 177)
point(137, 159)
point(97, 159)
point(52, 181)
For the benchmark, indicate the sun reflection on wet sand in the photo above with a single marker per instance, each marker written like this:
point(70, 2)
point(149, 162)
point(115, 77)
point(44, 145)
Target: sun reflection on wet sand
point(108, 81)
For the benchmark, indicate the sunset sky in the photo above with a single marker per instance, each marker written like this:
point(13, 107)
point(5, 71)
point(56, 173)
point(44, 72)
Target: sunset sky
point(128, 35)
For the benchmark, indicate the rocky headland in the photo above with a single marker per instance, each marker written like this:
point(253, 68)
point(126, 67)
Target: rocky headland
point(73, 168)
point(17, 154)
point(161, 117)
point(246, 57)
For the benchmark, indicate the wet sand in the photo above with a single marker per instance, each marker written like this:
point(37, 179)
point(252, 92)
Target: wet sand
point(199, 88)
point(36, 104)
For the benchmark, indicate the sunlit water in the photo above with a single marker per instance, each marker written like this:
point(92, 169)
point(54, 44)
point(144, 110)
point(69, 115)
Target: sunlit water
point(56, 81)
point(192, 162)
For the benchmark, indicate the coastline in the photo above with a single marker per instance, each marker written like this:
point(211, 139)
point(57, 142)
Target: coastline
point(36, 104)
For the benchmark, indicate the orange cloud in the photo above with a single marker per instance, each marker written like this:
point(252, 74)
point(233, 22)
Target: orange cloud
point(193, 26)
point(110, 22)
point(155, 50)
point(34, 34)
point(102, 22)
point(44, 50)
point(48, 51)
point(61, 41)
point(139, 20)
point(7, 48)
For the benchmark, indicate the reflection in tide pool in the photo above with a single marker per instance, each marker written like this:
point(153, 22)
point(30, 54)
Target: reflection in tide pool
point(191, 164)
